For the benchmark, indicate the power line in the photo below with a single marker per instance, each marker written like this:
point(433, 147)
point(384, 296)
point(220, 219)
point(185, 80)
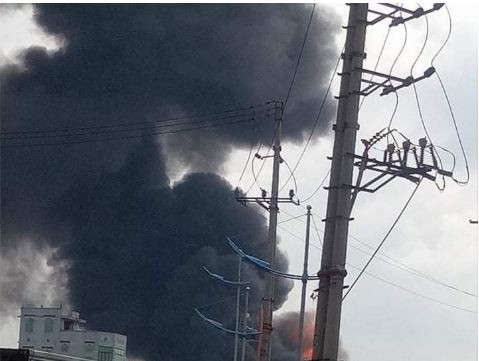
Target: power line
point(255, 176)
point(394, 262)
point(300, 56)
point(121, 130)
point(249, 153)
point(414, 272)
point(314, 124)
point(449, 102)
point(318, 187)
point(286, 100)
point(383, 240)
point(290, 219)
point(292, 175)
point(128, 124)
point(317, 232)
point(377, 62)
point(421, 117)
point(368, 273)
point(413, 292)
point(71, 142)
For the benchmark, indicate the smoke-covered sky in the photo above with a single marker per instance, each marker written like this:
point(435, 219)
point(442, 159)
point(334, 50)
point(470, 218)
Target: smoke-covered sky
point(128, 243)
point(133, 218)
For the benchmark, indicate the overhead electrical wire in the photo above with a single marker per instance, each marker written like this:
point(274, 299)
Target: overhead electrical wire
point(253, 142)
point(371, 274)
point(127, 124)
point(421, 117)
point(298, 61)
point(256, 175)
point(393, 65)
point(315, 123)
point(291, 219)
point(318, 187)
point(292, 175)
point(104, 139)
point(449, 102)
point(109, 132)
point(377, 63)
point(316, 229)
point(404, 288)
point(382, 257)
point(115, 131)
point(383, 240)
point(432, 299)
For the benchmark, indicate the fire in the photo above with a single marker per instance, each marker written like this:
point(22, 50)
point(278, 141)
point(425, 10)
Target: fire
point(308, 341)
point(308, 335)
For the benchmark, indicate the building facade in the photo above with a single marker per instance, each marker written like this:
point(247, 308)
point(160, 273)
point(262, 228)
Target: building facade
point(50, 329)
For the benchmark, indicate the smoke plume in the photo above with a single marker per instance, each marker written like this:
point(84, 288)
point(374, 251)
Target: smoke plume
point(134, 243)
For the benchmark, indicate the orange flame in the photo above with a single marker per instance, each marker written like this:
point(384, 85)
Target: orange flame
point(308, 341)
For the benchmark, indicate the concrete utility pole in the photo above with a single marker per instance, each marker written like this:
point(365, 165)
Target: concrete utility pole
point(245, 323)
point(304, 280)
point(332, 272)
point(238, 294)
point(268, 299)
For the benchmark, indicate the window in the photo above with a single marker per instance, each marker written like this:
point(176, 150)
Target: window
point(29, 325)
point(105, 353)
point(48, 325)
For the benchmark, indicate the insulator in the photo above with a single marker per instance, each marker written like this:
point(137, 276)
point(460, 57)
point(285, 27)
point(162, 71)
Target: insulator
point(422, 142)
point(409, 80)
point(419, 11)
point(263, 193)
point(257, 156)
point(429, 72)
point(434, 160)
point(291, 193)
point(414, 152)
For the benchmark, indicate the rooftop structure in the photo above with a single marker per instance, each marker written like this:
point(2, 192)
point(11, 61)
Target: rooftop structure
point(50, 329)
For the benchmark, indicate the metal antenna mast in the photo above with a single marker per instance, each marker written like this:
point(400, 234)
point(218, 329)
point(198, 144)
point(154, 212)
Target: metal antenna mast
point(304, 280)
point(332, 272)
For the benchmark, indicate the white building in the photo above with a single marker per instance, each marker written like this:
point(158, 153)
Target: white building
point(49, 329)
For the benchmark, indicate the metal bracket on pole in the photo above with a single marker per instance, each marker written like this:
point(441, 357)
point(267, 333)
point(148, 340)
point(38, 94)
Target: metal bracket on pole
point(396, 163)
point(388, 83)
point(397, 20)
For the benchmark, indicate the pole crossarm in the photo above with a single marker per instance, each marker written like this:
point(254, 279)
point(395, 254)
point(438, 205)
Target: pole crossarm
point(389, 83)
point(397, 20)
point(266, 201)
point(398, 163)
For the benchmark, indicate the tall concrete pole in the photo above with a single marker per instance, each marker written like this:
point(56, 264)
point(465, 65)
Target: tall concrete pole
point(238, 293)
point(332, 272)
point(304, 280)
point(268, 299)
point(245, 323)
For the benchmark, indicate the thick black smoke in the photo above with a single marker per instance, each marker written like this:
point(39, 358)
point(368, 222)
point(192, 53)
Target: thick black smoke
point(135, 244)
point(132, 63)
point(136, 248)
